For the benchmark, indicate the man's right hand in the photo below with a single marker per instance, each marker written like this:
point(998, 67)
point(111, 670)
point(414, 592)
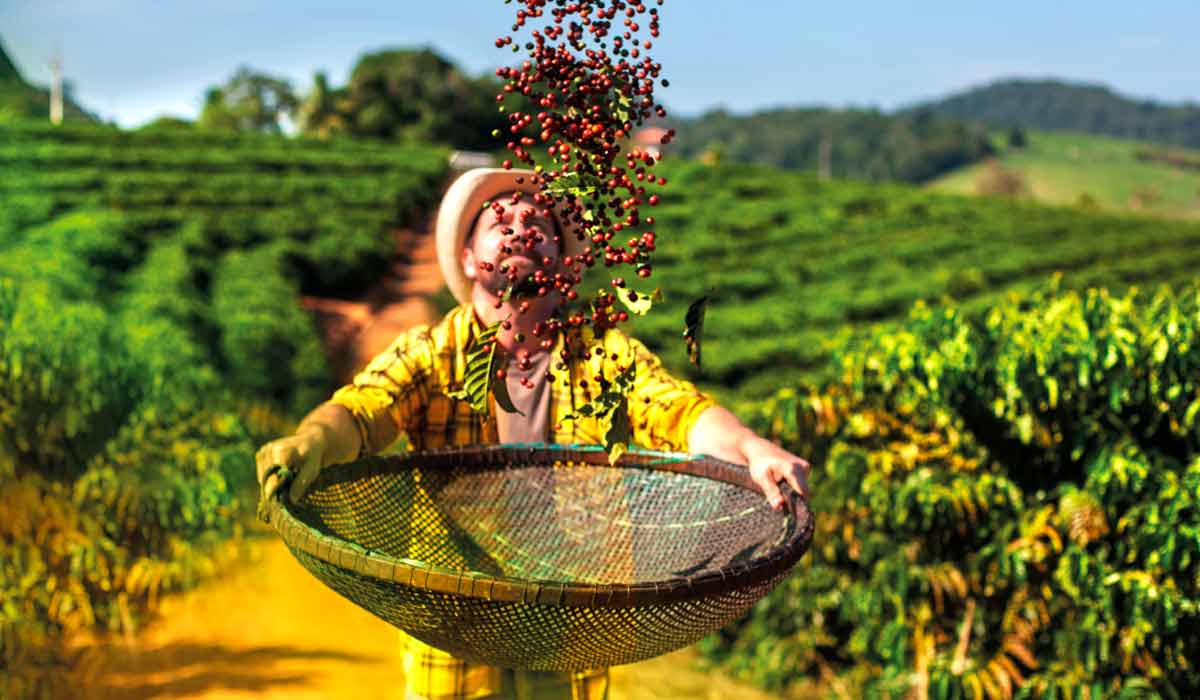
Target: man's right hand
point(301, 453)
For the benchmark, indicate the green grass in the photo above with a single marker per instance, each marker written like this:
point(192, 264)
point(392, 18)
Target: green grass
point(1060, 168)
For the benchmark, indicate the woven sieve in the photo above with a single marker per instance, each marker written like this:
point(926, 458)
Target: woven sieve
point(544, 556)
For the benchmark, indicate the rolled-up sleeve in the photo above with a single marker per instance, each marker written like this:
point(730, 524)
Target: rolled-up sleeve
point(392, 387)
point(662, 408)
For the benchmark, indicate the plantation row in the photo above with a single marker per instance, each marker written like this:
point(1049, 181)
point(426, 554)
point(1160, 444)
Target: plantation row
point(206, 159)
point(217, 140)
point(791, 261)
point(144, 188)
point(125, 443)
point(327, 206)
point(170, 283)
point(1009, 507)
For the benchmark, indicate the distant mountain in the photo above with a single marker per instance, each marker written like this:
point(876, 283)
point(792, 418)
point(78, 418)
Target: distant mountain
point(20, 99)
point(1052, 105)
point(846, 143)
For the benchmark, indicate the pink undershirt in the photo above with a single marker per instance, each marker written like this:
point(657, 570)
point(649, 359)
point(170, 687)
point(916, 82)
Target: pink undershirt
point(534, 403)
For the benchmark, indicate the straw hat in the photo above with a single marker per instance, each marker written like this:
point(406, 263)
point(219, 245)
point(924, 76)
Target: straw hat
point(463, 201)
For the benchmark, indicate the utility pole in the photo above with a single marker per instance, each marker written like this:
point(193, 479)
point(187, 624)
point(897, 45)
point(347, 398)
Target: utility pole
point(56, 88)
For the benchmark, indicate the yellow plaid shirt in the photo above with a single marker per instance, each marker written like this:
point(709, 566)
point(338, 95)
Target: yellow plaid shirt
point(408, 384)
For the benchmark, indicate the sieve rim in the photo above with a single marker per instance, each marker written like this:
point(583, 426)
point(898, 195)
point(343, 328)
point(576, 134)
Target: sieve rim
point(338, 552)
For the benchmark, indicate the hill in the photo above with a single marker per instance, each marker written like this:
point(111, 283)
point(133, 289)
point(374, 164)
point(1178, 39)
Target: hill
point(1092, 171)
point(8, 70)
point(859, 144)
point(1053, 105)
point(20, 99)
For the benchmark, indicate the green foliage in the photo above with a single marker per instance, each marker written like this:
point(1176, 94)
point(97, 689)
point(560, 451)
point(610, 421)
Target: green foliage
point(1007, 506)
point(405, 94)
point(1095, 172)
point(64, 398)
point(269, 347)
point(249, 101)
point(794, 261)
point(122, 456)
point(166, 288)
point(335, 202)
point(20, 213)
point(79, 256)
point(693, 331)
point(612, 406)
point(480, 379)
point(862, 144)
point(172, 471)
point(144, 277)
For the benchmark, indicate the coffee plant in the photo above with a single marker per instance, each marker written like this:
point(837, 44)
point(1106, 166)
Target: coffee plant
point(150, 338)
point(788, 262)
point(119, 455)
point(1008, 506)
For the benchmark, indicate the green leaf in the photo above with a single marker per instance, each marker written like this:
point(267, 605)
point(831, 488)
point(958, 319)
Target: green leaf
point(482, 359)
point(694, 320)
point(622, 108)
point(639, 304)
point(616, 438)
point(613, 404)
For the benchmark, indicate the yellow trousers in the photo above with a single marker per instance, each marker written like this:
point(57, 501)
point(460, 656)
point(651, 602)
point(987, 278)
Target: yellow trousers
point(432, 674)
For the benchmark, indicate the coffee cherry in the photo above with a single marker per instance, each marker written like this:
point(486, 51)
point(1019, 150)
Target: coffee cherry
point(587, 72)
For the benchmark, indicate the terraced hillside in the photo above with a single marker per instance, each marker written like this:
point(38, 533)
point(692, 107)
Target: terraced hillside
point(791, 261)
point(329, 204)
point(1097, 172)
point(238, 228)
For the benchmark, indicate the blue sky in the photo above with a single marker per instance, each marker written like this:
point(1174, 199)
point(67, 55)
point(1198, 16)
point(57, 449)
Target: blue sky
point(132, 60)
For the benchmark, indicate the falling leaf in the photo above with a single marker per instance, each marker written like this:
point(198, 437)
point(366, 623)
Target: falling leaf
point(616, 438)
point(482, 359)
point(639, 303)
point(613, 405)
point(694, 319)
point(622, 109)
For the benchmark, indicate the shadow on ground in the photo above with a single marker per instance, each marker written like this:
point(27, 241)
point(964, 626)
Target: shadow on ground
point(185, 668)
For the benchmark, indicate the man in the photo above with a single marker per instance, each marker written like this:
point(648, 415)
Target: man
point(406, 389)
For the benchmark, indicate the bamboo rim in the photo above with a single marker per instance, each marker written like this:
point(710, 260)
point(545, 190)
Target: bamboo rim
point(408, 572)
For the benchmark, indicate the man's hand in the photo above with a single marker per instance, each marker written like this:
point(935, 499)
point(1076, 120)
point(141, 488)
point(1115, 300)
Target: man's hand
point(302, 453)
point(769, 464)
point(719, 433)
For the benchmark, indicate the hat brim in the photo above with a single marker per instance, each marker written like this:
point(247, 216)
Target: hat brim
point(463, 201)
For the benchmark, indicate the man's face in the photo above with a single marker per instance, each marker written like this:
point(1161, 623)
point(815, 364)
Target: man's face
point(521, 239)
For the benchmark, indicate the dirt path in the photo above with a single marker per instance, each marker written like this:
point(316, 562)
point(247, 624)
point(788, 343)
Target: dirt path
point(269, 630)
point(354, 331)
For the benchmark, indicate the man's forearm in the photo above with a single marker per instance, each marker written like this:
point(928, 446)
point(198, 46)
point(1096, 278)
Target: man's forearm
point(337, 431)
point(719, 433)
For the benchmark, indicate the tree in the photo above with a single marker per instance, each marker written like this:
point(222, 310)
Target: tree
point(405, 94)
point(250, 101)
point(318, 114)
point(1016, 137)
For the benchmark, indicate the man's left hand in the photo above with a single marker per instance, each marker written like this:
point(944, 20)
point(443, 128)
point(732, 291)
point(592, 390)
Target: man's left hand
point(769, 464)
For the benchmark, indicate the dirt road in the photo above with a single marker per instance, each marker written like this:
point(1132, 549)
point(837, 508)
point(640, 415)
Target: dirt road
point(269, 630)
